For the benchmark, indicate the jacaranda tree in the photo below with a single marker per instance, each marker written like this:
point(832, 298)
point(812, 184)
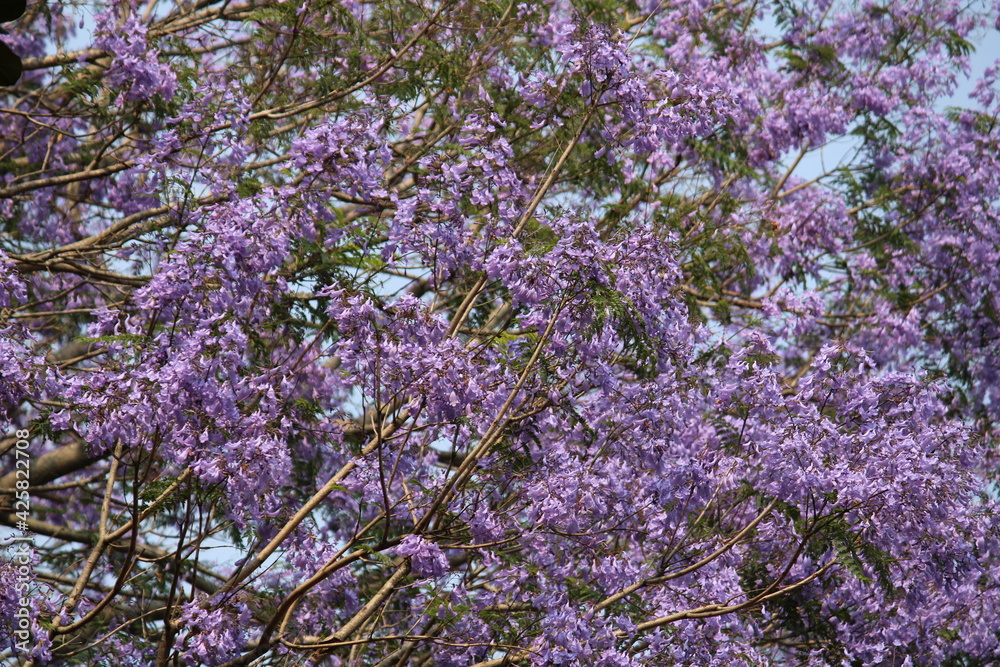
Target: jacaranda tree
point(470, 332)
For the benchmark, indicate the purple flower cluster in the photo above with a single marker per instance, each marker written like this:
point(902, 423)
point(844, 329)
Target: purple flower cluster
point(135, 71)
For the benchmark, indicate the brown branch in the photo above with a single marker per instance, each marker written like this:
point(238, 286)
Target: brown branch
point(6, 193)
point(53, 465)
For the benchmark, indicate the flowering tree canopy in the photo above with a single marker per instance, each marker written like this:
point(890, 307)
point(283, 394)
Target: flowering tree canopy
point(477, 332)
